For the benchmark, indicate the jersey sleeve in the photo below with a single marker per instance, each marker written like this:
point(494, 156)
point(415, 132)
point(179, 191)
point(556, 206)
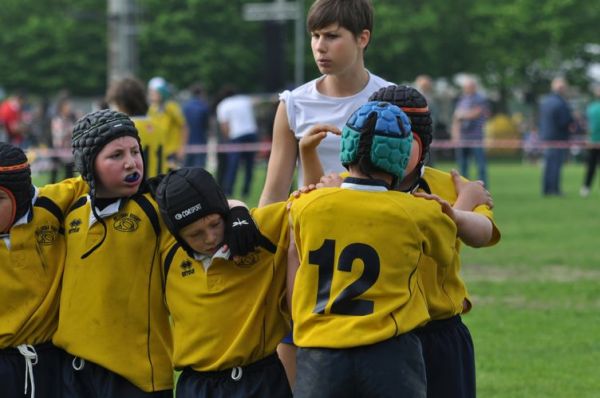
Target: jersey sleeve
point(439, 232)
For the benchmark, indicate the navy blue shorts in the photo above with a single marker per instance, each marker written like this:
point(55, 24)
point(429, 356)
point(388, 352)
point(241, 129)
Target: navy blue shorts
point(449, 358)
point(46, 372)
point(263, 378)
point(389, 369)
point(95, 381)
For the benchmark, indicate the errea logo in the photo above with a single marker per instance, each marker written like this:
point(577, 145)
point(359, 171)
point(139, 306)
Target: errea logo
point(187, 212)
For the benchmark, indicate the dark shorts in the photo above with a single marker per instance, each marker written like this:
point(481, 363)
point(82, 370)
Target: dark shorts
point(392, 368)
point(46, 372)
point(263, 378)
point(449, 358)
point(94, 381)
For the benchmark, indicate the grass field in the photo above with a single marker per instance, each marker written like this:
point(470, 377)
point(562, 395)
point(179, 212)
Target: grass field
point(536, 315)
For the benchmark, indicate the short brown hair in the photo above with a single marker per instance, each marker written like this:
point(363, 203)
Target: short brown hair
point(354, 15)
point(129, 95)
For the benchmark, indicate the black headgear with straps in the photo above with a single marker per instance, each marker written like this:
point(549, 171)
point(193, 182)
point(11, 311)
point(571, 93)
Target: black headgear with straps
point(186, 195)
point(15, 179)
point(414, 104)
point(91, 133)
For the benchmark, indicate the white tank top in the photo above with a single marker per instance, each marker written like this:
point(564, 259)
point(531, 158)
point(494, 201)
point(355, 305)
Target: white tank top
point(306, 107)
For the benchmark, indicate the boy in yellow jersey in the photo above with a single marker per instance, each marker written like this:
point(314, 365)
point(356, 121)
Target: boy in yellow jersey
point(112, 320)
point(32, 253)
point(129, 96)
point(228, 316)
point(447, 345)
point(446, 341)
point(355, 292)
point(169, 117)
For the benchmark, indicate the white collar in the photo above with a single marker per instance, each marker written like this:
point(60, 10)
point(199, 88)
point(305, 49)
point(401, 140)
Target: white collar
point(363, 187)
point(106, 212)
point(207, 260)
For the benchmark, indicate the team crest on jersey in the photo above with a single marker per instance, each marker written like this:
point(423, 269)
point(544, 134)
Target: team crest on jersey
point(187, 268)
point(46, 235)
point(74, 225)
point(247, 261)
point(126, 222)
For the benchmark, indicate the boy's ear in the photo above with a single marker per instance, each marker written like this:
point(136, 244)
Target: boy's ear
point(364, 38)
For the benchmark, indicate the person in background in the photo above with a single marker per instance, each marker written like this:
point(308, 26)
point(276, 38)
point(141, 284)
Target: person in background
point(470, 116)
point(197, 116)
point(556, 123)
point(11, 116)
point(129, 96)
point(61, 128)
point(424, 84)
point(593, 123)
point(168, 116)
point(237, 123)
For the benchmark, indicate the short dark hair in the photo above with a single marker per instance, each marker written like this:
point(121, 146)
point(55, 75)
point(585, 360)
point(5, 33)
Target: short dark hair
point(354, 15)
point(130, 96)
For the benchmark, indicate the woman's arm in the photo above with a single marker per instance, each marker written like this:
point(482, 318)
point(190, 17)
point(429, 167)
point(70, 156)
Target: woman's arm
point(282, 162)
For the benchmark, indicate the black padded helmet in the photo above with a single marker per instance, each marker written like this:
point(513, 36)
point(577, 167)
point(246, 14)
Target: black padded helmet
point(414, 104)
point(15, 179)
point(186, 195)
point(91, 133)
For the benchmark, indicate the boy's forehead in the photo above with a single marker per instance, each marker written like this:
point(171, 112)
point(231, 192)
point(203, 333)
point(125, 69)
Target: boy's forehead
point(121, 142)
point(332, 27)
point(200, 223)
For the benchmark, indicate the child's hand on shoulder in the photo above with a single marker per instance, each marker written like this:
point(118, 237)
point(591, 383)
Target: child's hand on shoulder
point(331, 180)
point(446, 206)
point(316, 134)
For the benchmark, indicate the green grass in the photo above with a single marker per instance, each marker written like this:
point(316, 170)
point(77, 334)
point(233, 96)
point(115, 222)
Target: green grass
point(536, 315)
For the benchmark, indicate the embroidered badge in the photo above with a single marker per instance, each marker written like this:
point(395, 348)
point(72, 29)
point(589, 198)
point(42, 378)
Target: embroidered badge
point(126, 222)
point(46, 235)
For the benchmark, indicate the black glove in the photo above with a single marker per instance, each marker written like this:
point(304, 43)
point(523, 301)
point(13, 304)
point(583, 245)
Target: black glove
point(243, 236)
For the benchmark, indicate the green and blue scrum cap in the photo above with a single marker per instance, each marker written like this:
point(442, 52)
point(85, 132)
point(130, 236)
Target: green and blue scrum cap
point(392, 137)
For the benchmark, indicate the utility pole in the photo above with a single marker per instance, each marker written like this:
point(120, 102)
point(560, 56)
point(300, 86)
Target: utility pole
point(123, 59)
point(282, 10)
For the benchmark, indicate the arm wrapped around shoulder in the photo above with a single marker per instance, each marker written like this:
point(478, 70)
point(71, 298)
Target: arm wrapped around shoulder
point(242, 234)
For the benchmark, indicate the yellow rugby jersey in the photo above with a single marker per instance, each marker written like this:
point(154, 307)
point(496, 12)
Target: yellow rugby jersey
point(171, 120)
point(444, 288)
point(112, 309)
point(230, 315)
point(357, 282)
point(153, 140)
point(31, 268)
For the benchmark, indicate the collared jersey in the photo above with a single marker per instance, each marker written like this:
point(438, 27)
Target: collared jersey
point(231, 314)
point(154, 142)
point(112, 310)
point(357, 282)
point(444, 288)
point(171, 120)
point(31, 268)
